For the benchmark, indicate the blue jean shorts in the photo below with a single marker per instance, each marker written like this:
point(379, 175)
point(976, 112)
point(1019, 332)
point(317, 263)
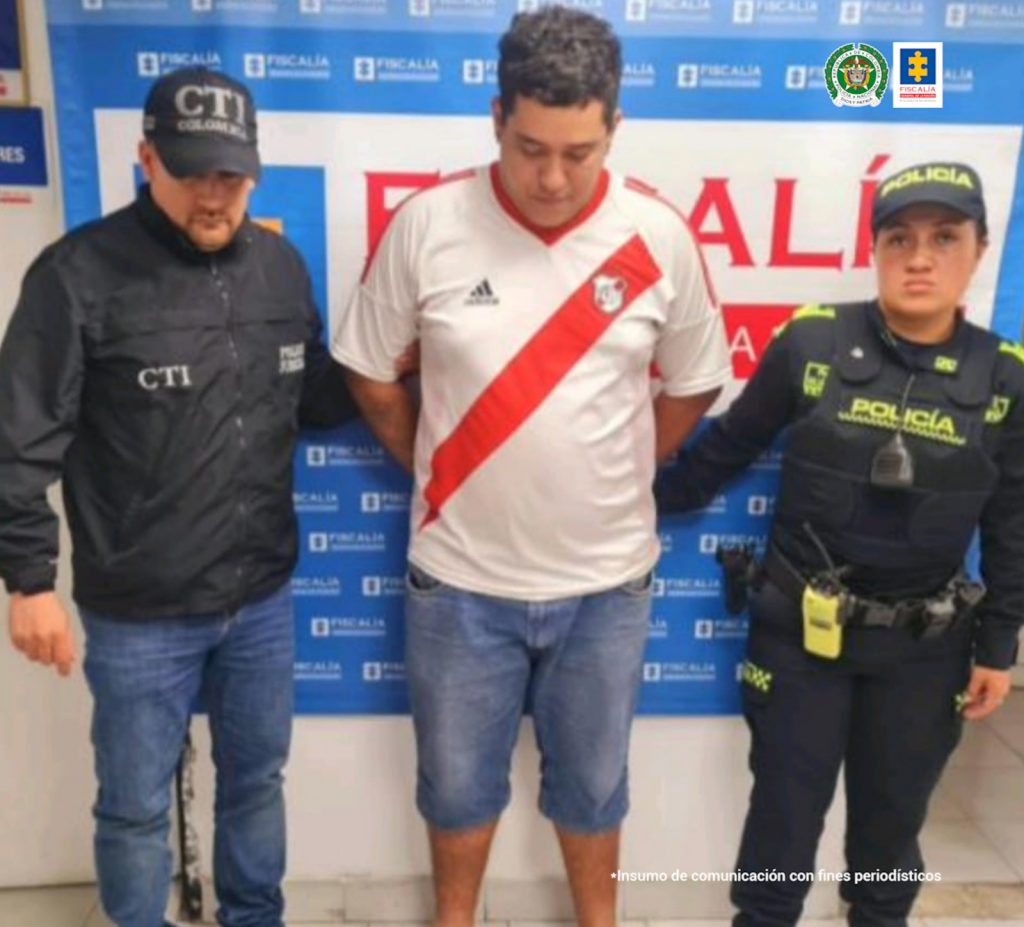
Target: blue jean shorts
point(475, 663)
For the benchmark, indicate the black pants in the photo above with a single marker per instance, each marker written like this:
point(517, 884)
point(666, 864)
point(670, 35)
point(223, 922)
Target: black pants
point(886, 709)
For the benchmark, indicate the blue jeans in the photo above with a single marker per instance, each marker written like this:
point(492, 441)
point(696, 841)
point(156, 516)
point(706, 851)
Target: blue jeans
point(475, 662)
point(145, 676)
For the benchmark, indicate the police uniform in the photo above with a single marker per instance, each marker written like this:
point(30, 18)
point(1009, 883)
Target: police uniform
point(887, 702)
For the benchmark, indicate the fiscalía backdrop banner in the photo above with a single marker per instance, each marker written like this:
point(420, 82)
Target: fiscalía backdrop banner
point(728, 114)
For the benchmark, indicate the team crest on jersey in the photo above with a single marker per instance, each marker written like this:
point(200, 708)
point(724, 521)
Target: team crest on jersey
point(609, 293)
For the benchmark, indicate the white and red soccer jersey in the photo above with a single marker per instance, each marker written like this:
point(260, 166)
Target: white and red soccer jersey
point(535, 444)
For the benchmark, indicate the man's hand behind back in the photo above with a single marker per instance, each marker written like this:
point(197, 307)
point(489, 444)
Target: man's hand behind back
point(40, 629)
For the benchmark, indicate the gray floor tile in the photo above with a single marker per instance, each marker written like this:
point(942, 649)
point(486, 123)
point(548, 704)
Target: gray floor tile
point(392, 900)
point(314, 902)
point(1007, 836)
point(64, 906)
point(960, 852)
point(518, 901)
point(981, 747)
point(987, 793)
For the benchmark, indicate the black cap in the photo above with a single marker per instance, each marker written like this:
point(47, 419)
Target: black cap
point(202, 121)
point(955, 186)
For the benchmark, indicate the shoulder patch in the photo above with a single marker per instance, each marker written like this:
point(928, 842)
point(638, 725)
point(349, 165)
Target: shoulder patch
point(1014, 350)
point(814, 311)
point(810, 311)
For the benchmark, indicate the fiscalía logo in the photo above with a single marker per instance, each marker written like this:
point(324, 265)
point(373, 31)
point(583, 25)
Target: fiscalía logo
point(657, 629)
point(639, 74)
point(640, 11)
point(719, 76)
point(709, 543)
point(344, 455)
point(796, 77)
point(919, 67)
point(317, 671)
point(372, 503)
point(375, 671)
point(438, 8)
point(985, 15)
point(318, 586)
point(881, 12)
point(856, 75)
point(958, 80)
point(156, 64)
point(323, 501)
point(323, 542)
point(255, 66)
point(744, 12)
point(479, 71)
point(609, 293)
point(377, 586)
point(287, 66)
point(686, 587)
point(347, 626)
point(407, 70)
point(720, 629)
point(681, 671)
point(636, 11)
point(850, 13)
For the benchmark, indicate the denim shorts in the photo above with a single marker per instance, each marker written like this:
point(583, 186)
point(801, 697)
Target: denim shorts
point(475, 663)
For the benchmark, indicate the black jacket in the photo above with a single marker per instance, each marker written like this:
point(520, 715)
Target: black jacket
point(897, 544)
point(166, 387)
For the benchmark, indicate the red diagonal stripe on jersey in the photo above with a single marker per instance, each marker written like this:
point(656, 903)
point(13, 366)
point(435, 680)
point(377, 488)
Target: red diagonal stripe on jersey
point(542, 363)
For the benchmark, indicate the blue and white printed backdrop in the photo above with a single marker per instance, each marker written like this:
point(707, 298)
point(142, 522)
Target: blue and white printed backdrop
point(727, 115)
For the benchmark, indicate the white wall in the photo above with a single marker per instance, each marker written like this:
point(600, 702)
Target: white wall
point(350, 783)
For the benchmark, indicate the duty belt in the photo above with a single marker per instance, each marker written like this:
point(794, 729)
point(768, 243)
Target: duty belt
point(926, 618)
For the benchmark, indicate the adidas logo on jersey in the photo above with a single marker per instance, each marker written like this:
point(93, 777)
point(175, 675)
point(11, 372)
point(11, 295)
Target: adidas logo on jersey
point(482, 295)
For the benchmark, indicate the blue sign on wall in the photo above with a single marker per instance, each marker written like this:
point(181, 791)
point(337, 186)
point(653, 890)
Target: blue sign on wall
point(22, 148)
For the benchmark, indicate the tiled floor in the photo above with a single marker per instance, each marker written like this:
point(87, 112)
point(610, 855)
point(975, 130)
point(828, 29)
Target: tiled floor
point(974, 837)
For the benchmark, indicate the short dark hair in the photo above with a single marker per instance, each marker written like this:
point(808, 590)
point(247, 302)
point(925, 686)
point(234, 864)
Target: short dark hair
point(560, 57)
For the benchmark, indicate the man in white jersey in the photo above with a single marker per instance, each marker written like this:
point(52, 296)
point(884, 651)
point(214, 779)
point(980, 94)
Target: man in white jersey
point(541, 290)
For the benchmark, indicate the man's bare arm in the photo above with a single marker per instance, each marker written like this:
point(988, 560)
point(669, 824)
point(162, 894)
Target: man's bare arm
point(390, 411)
point(675, 417)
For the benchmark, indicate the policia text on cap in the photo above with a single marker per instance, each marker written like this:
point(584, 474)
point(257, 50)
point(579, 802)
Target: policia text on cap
point(904, 432)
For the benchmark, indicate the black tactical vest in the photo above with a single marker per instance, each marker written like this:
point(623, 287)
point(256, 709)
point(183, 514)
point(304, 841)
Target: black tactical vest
point(866, 393)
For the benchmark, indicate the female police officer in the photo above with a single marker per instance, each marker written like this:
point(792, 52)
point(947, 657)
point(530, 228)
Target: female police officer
point(905, 434)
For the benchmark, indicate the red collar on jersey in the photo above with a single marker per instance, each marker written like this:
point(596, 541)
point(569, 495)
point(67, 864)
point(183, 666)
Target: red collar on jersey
point(549, 235)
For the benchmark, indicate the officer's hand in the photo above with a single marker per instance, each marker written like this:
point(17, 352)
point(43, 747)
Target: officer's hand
point(986, 691)
point(408, 362)
point(41, 629)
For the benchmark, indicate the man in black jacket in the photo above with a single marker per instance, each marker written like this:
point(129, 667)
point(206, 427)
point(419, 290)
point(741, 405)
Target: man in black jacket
point(160, 360)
